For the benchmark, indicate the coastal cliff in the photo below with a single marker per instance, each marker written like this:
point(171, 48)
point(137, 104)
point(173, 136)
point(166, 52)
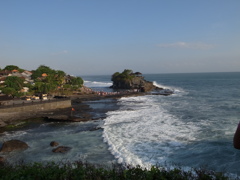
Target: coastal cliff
point(132, 81)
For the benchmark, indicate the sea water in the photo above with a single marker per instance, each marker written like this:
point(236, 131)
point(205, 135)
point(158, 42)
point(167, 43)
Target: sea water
point(194, 127)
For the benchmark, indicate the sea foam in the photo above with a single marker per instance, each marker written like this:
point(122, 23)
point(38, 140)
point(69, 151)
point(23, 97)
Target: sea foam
point(143, 133)
point(97, 84)
point(175, 90)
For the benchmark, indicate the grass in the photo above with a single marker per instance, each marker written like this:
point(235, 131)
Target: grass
point(86, 171)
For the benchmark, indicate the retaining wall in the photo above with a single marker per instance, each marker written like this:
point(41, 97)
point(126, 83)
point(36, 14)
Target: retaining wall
point(29, 110)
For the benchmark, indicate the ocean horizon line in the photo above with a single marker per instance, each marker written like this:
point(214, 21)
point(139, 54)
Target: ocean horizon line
point(167, 73)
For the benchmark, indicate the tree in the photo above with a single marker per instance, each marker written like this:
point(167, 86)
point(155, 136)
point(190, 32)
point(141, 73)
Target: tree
point(44, 87)
point(11, 67)
point(60, 77)
point(127, 71)
point(114, 76)
point(42, 69)
point(76, 81)
point(127, 74)
point(60, 73)
point(14, 82)
point(9, 91)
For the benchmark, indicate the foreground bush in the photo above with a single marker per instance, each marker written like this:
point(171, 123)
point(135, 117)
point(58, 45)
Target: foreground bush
point(85, 171)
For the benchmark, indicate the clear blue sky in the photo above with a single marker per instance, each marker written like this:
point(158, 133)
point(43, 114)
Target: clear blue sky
point(95, 37)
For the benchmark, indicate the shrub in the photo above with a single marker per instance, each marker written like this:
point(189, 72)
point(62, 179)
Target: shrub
point(85, 171)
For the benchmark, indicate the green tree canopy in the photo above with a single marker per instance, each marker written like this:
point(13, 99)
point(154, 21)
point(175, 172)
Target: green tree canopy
point(76, 81)
point(14, 82)
point(43, 87)
point(13, 67)
point(42, 69)
point(115, 75)
point(127, 74)
point(9, 91)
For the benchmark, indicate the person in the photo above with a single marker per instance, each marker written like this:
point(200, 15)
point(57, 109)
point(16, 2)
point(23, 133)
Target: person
point(236, 138)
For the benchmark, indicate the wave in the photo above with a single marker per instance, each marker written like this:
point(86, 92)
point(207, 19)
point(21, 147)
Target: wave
point(176, 91)
point(97, 84)
point(143, 133)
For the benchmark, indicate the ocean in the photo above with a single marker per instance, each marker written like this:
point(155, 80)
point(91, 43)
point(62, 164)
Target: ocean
point(192, 128)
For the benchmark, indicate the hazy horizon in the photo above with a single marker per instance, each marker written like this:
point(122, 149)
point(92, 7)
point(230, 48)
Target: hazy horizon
point(102, 37)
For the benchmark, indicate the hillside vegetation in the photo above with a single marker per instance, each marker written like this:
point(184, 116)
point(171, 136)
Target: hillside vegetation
point(16, 82)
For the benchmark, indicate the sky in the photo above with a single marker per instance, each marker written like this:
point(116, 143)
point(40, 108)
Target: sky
point(100, 37)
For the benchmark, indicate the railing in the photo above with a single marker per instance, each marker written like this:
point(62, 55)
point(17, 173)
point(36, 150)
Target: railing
point(20, 103)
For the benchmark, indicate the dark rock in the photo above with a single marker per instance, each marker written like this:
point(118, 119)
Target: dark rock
point(13, 145)
point(132, 81)
point(2, 124)
point(61, 149)
point(2, 161)
point(95, 129)
point(54, 143)
point(57, 118)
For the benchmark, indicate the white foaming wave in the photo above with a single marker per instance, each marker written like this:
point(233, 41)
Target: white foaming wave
point(97, 84)
point(145, 136)
point(12, 135)
point(174, 89)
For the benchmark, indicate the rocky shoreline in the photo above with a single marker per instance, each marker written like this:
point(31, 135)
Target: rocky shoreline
point(61, 114)
point(78, 106)
point(82, 112)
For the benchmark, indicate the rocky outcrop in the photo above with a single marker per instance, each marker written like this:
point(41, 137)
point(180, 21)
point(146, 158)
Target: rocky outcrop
point(2, 123)
point(54, 143)
point(129, 80)
point(60, 117)
point(136, 83)
point(2, 161)
point(67, 118)
point(61, 149)
point(13, 145)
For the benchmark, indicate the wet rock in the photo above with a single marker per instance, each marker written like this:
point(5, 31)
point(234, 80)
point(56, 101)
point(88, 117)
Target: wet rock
point(95, 128)
point(13, 145)
point(2, 161)
point(57, 118)
point(54, 143)
point(2, 124)
point(61, 149)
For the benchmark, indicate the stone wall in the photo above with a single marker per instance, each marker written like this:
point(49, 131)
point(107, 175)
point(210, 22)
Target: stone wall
point(31, 110)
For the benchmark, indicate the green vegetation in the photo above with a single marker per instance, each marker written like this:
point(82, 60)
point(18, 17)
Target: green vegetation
point(43, 80)
point(127, 74)
point(9, 91)
point(43, 69)
point(84, 171)
point(48, 80)
point(12, 86)
point(14, 82)
point(13, 67)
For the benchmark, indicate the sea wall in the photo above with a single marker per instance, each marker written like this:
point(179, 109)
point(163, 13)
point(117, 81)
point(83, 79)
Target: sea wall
point(31, 110)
